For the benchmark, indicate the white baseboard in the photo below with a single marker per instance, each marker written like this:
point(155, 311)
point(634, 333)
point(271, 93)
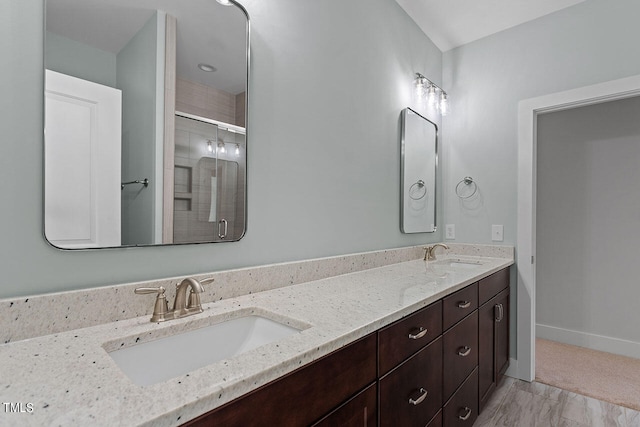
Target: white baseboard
point(512, 370)
point(592, 341)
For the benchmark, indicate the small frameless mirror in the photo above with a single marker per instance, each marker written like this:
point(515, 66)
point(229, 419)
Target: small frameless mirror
point(419, 162)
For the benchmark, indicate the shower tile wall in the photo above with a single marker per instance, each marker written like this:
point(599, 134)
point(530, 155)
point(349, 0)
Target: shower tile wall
point(209, 102)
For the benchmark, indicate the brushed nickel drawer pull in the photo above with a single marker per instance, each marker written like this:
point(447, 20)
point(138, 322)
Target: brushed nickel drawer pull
point(419, 400)
point(499, 308)
point(416, 336)
point(466, 416)
point(464, 304)
point(464, 351)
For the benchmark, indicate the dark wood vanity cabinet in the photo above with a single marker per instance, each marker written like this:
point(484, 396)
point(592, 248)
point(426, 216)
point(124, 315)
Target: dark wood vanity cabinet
point(435, 367)
point(493, 333)
point(308, 394)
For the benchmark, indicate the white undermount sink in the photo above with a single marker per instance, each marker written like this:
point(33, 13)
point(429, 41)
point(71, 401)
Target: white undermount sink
point(169, 357)
point(458, 263)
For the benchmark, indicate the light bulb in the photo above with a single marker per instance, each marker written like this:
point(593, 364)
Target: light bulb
point(209, 146)
point(221, 148)
point(431, 95)
point(237, 149)
point(444, 104)
point(420, 83)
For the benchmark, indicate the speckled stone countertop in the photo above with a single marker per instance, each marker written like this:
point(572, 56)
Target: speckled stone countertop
point(69, 379)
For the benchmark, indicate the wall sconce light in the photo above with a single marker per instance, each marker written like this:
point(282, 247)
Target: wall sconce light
point(209, 146)
point(221, 148)
point(427, 88)
point(237, 149)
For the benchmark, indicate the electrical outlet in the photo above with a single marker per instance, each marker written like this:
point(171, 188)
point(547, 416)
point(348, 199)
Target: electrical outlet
point(450, 231)
point(497, 233)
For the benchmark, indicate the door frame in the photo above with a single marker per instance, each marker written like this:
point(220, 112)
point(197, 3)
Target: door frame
point(528, 111)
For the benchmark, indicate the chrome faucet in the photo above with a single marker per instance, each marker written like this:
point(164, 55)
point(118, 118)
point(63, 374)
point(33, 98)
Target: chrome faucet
point(430, 251)
point(183, 305)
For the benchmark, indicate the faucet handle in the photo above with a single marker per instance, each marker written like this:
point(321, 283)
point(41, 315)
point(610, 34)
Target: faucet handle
point(141, 291)
point(161, 307)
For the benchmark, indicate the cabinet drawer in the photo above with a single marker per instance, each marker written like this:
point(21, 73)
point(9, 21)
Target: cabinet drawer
point(462, 409)
point(359, 411)
point(460, 346)
point(411, 394)
point(490, 286)
point(305, 395)
point(401, 339)
point(458, 305)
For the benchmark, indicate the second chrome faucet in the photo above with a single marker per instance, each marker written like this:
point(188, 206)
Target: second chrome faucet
point(183, 305)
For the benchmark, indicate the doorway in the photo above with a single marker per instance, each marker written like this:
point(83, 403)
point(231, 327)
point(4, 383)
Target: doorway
point(528, 111)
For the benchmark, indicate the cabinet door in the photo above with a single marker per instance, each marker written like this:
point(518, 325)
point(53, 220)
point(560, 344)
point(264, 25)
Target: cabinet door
point(493, 357)
point(411, 394)
point(502, 334)
point(305, 395)
point(360, 411)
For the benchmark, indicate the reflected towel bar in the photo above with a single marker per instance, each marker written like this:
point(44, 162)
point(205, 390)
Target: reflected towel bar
point(144, 182)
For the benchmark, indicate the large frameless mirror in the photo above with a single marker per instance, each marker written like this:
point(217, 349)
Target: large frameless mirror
point(419, 157)
point(145, 117)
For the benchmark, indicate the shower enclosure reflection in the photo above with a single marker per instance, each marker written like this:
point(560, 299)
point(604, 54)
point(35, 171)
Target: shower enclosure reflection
point(209, 180)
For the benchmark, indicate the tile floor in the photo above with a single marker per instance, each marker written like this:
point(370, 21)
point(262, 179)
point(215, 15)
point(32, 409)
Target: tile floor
point(521, 404)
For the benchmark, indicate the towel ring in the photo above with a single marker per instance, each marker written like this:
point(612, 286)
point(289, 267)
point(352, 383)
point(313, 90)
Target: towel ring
point(467, 181)
point(420, 184)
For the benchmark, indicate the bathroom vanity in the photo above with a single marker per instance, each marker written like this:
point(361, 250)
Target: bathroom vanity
point(396, 339)
point(427, 372)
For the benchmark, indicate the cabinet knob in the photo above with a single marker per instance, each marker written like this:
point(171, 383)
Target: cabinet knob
point(464, 351)
point(419, 333)
point(420, 399)
point(464, 304)
point(466, 414)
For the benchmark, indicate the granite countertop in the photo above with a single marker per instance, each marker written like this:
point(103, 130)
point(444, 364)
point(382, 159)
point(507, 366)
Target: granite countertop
point(69, 379)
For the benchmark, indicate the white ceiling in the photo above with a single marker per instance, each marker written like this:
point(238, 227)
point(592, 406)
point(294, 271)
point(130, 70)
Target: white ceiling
point(207, 33)
point(452, 23)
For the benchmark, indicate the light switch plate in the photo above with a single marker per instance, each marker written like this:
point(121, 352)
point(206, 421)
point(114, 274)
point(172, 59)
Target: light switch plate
point(450, 231)
point(497, 233)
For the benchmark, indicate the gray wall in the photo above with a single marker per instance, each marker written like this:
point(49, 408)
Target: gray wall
point(136, 77)
point(588, 225)
point(328, 82)
point(591, 42)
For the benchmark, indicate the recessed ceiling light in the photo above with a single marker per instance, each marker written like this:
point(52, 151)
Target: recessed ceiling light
point(224, 2)
point(208, 68)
